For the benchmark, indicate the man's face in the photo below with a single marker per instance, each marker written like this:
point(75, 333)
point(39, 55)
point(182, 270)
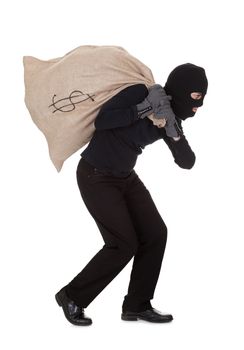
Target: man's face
point(187, 84)
point(160, 123)
point(196, 96)
point(185, 103)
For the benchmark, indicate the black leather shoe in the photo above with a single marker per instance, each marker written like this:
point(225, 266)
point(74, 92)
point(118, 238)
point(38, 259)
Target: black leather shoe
point(150, 315)
point(74, 313)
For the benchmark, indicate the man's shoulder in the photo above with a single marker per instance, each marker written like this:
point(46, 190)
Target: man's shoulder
point(137, 88)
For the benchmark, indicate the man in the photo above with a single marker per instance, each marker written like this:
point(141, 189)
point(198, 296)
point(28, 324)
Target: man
point(117, 199)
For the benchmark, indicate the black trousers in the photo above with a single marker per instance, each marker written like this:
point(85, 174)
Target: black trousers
point(131, 226)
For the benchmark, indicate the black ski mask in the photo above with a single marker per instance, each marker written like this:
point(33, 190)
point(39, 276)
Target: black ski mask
point(181, 82)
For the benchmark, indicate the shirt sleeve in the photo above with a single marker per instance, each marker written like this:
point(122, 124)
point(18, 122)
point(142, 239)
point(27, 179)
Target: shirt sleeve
point(121, 110)
point(181, 150)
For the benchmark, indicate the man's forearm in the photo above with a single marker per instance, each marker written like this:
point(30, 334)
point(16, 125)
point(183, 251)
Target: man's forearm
point(181, 151)
point(116, 118)
point(120, 110)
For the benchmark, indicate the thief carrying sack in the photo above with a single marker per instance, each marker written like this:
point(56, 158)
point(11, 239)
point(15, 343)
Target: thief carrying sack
point(64, 94)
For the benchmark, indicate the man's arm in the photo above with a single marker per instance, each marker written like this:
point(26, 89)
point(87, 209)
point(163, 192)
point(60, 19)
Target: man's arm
point(181, 150)
point(120, 110)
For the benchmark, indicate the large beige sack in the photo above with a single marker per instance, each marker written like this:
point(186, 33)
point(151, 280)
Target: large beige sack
point(64, 94)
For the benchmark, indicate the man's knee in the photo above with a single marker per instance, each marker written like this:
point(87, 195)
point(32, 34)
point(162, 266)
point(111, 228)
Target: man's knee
point(127, 251)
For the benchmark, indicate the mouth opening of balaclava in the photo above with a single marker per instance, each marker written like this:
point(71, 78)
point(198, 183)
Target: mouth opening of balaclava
point(181, 82)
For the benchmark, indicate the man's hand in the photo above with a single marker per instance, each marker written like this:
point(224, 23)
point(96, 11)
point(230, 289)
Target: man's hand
point(160, 123)
point(155, 95)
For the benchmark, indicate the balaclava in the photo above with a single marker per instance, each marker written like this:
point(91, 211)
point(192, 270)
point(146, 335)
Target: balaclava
point(183, 80)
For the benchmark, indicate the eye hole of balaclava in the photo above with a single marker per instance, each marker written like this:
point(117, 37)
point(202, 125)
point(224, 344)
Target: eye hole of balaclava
point(182, 81)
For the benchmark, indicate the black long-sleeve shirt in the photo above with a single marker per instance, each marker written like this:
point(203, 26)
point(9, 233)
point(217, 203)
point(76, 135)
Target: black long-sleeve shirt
point(120, 135)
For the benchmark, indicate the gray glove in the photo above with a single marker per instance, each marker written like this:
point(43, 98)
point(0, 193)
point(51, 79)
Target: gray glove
point(151, 102)
point(144, 108)
point(156, 96)
point(156, 102)
point(160, 102)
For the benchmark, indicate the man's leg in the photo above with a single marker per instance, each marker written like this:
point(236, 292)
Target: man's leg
point(104, 200)
point(152, 236)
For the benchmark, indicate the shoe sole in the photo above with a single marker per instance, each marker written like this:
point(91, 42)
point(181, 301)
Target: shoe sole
point(74, 323)
point(137, 318)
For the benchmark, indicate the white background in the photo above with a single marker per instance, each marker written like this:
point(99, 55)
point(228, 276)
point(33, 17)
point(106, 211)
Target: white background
point(47, 234)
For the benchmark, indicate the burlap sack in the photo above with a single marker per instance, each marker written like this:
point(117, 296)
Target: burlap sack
point(64, 94)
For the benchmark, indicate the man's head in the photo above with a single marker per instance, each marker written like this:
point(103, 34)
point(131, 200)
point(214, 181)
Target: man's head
point(187, 84)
